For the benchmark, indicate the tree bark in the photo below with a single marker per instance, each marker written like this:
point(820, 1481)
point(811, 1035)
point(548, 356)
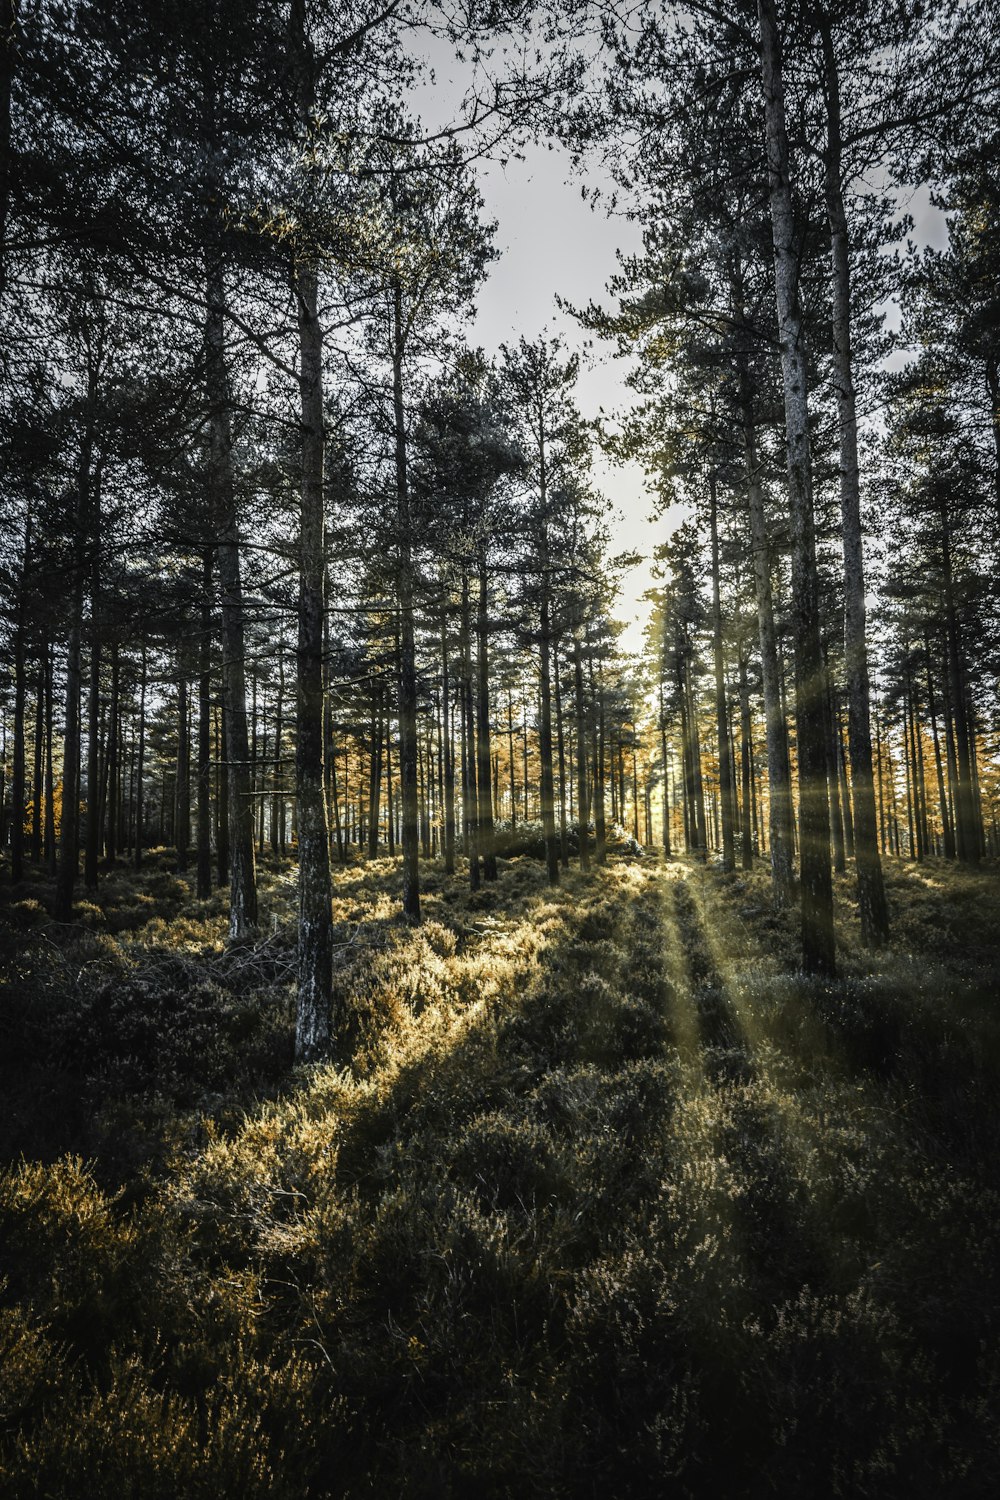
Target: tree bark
point(20, 691)
point(182, 785)
point(965, 820)
point(547, 783)
point(816, 883)
point(315, 987)
point(872, 906)
point(448, 751)
point(113, 797)
point(780, 802)
point(204, 800)
point(726, 789)
point(50, 807)
point(947, 832)
point(236, 754)
point(746, 769)
point(407, 647)
point(583, 811)
point(483, 746)
point(470, 776)
point(93, 823)
point(69, 832)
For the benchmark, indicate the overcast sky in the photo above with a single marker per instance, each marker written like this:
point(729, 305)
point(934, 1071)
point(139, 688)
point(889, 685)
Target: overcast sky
point(551, 241)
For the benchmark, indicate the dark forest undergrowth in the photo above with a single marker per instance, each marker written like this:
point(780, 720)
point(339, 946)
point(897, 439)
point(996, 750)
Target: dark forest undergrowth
point(603, 1200)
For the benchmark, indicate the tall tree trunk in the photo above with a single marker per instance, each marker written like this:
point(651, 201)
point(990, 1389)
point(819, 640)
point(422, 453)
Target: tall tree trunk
point(583, 811)
point(872, 905)
point(277, 780)
point(947, 831)
point(845, 789)
point(182, 785)
point(780, 801)
point(239, 842)
point(407, 647)
point(470, 777)
point(600, 826)
point(816, 883)
point(726, 789)
point(746, 768)
point(111, 833)
point(375, 774)
point(833, 775)
point(483, 744)
point(50, 807)
point(547, 782)
point(313, 1019)
point(449, 751)
point(140, 768)
point(37, 793)
point(965, 821)
point(204, 797)
point(93, 824)
point(561, 754)
point(17, 787)
point(69, 832)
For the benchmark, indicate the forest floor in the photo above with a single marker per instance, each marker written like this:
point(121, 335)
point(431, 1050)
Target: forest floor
point(603, 1198)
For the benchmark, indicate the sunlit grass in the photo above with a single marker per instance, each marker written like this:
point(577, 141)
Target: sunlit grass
point(598, 1196)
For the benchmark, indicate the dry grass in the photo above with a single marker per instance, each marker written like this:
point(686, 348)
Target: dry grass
point(600, 1199)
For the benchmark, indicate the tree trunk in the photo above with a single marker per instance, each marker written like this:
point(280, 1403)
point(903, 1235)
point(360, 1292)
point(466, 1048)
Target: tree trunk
point(239, 841)
point(510, 761)
point(93, 823)
point(37, 793)
point(375, 774)
point(872, 906)
point(600, 827)
point(50, 808)
point(407, 647)
point(69, 833)
point(965, 822)
point(182, 785)
point(947, 832)
point(583, 811)
point(818, 956)
point(313, 1019)
point(204, 804)
point(449, 751)
point(547, 783)
point(726, 789)
point(470, 779)
point(561, 756)
point(746, 821)
point(483, 745)
point(833, 775)
point(111, 834)
point(780, 802)
point(140, 768)
point(20, 690)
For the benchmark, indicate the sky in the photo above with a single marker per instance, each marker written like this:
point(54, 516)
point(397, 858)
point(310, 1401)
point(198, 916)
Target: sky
point(552, 241)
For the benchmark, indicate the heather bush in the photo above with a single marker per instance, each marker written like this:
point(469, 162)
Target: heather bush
point(599, 1197)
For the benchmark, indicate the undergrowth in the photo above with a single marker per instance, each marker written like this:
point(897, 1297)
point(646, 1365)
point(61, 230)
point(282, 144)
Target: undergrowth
point(600, 1198)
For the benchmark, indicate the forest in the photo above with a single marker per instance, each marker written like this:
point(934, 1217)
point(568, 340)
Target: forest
point(472, 1023)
